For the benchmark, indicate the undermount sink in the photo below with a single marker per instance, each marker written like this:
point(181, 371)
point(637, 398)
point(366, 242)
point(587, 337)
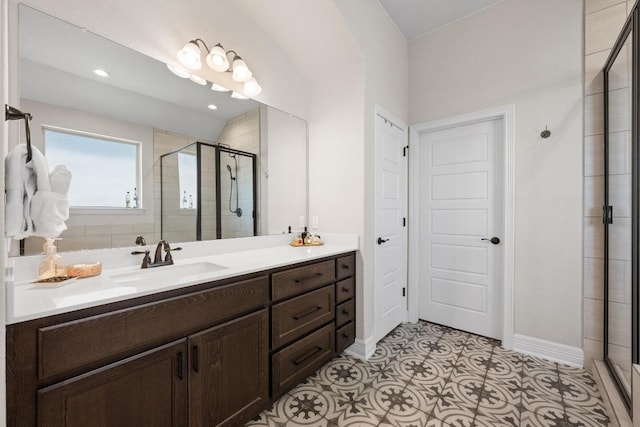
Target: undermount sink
point(168, 273)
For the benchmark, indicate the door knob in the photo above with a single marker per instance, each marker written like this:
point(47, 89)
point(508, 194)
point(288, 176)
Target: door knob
point(381, 240)
point(493, 240)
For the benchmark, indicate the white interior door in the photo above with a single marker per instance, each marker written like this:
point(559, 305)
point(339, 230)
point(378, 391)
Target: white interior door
point(460, 192)
point(390, 254)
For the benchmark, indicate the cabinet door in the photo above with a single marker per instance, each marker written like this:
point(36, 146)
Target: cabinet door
point(228, 380)
point(149, 389)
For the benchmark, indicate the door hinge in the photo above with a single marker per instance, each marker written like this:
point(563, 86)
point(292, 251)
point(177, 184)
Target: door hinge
point(404, 292)
point(404, 222)
point(404, 150)
point(607, 214)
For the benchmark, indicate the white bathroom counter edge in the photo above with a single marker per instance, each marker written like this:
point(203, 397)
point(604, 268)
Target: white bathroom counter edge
point(26, 302)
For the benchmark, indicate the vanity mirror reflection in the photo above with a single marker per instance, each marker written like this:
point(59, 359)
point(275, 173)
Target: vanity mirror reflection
point(98, 106)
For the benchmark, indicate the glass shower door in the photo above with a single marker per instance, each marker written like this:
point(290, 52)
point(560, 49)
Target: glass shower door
point(618, 215)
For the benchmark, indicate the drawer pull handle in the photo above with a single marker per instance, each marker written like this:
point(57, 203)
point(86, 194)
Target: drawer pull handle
point(180, 366)
point(345, 266)
point(304, 279)
point(345, 289)
point(196, 358)
point(307, 356)
point(307, 313)
point(345, 312)
point(345, 335)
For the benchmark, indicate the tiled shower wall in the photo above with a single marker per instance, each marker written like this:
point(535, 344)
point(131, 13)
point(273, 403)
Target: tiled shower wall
point(603, 21)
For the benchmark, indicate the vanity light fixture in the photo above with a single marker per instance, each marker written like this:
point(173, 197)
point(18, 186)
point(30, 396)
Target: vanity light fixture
point(189, 55)
point(219, 88)
point(100, 72)
point(197, 79)
point(219, 60)
point(179, 71)
point(251, 87)
point(237, 95)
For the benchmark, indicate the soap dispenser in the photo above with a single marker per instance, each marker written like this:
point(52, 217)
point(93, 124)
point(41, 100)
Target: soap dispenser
point(51, 265)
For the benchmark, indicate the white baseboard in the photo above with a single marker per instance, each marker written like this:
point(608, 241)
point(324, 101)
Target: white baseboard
point(553, 351)
point(362, 349)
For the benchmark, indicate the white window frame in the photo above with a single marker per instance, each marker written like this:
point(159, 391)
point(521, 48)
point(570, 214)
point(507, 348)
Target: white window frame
point(104, 209)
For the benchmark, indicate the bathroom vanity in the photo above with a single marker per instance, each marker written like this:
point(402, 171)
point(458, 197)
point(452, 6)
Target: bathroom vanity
point(207, 354)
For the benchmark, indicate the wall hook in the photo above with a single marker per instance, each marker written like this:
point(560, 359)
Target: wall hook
point(546, 133)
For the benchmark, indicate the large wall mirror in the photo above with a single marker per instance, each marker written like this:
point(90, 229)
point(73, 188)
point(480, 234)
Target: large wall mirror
point(153, 154)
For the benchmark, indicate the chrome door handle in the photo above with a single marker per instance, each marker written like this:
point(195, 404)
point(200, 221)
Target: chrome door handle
point(493, 240)
point(381, 240)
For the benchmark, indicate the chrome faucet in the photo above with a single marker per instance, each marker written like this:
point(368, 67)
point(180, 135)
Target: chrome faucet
point(157, 259)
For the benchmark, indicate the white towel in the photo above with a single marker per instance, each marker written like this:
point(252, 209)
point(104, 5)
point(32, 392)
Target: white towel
point(32, 208)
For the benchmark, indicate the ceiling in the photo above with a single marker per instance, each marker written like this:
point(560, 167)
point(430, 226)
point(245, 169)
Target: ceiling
point(415, 18)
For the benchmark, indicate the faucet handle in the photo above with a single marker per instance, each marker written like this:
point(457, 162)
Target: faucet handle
point(146, 260)
point(140, 241)
point(168, 257)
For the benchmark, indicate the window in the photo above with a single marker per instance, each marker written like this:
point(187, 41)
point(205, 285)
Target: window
point(188, 177)
point(103, 169)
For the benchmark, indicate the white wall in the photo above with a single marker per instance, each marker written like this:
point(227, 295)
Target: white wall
point(527, 53)
point(384, 55)
point(4, 142)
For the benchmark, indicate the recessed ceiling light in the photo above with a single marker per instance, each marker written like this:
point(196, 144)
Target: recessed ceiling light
point(178, 71)
point(212, 107)
point(101, 73)
point(219, 88)
point(197, 79)
point(237, 95)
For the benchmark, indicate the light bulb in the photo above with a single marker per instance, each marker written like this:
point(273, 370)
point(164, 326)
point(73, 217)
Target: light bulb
point(237, 95)
point(217, 59)
point(178, 71)
point(189, 56)
point(241, 72)
point(197, 79)
point(251, 87)
point(219, 88)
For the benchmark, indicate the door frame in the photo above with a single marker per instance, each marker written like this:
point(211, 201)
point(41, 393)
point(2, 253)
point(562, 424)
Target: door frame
point(507, 115)
point(385, 115)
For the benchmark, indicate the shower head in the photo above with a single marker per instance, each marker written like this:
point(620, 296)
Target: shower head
point(233, 178)
point(229, 168)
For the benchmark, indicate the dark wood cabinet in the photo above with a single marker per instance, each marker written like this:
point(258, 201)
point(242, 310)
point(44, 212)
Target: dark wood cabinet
point(149, 389)
point(214, 354)
point(228, 379)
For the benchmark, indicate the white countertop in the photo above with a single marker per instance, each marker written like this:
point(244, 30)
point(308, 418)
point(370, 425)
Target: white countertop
point(117, 282)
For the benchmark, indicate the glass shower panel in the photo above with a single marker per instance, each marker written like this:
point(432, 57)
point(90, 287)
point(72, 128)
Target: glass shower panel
point(619, 189)
point(237, 199)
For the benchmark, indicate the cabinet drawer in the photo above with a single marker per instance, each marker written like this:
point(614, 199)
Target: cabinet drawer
point(345, 289)
point(87, 343)
point(345, 266)
point(299, 280)
point(295, 317)
point(345, 336)
point(296, 362)
point(345, 312)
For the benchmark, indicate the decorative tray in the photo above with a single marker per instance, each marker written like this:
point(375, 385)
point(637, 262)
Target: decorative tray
point(54, 282)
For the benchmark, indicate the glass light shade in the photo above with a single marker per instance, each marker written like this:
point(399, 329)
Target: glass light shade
point(241, 72)
point(217, 59)
point(189, 56)
point(237, 95)
point(197, 79)
point(178, 71)
point(251, 87)
point(219, 88)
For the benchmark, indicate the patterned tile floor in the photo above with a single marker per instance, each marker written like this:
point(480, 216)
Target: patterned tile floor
point(429, 375)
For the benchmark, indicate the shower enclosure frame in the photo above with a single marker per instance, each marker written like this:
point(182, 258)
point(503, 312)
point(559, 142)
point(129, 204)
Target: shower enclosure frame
point(631, 27)
point(218, 149)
